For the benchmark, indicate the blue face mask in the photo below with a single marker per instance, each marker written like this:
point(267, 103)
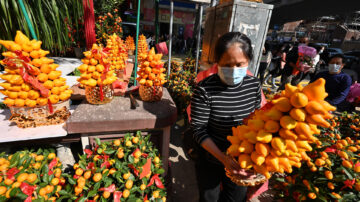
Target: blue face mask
point(232, 76)
point(334, 68)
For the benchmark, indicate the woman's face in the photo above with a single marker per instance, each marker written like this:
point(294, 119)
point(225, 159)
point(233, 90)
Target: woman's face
point(234, 57)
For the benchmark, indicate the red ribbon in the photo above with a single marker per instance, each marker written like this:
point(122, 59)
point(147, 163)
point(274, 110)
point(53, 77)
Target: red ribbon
point(51, 109)
point(136, 172)
point(52, 164)
point(101, 92)
point(155, 178)
point(348, 183)
point(105, 157)
point(34, 82)
point(11, 173)
point(154, 90)
point(103, 76)
point(146, 169)
point(28, 190)
point(90, 166)
point(117, 196)
point(330, 150)
point(146, 198)
point(106, 163)
point(110, 188)
point(88, 152)
point(21, 56)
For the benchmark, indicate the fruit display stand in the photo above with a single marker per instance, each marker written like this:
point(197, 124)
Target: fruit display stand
point(116, 118)
point(11, 133)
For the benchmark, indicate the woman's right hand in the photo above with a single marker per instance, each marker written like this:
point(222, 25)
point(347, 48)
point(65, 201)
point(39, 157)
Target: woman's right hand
point(231, 165)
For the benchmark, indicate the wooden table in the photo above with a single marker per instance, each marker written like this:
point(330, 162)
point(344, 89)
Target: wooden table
point(114, 119)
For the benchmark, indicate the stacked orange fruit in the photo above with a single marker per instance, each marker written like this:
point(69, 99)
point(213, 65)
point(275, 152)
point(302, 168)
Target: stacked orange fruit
point(151, 70)
point(95, 70)
point(117, 52)
point(130, 45)
point(32, 176)
point(278, 136)
point(25, 59)
point(142, 48)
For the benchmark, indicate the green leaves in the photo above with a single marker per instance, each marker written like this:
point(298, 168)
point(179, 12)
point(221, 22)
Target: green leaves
point(14, 160)
point(97, 141)
point(121, 170)
point(51, 20)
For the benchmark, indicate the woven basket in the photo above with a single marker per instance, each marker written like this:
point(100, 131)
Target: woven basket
point(92, 94)
point(247, 182)
point(26, 117)
point(150, 93)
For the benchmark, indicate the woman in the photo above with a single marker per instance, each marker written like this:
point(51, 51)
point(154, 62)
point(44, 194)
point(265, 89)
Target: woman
point(264, 62)
point(279, 62)
point(317, 62)
point(220, 102)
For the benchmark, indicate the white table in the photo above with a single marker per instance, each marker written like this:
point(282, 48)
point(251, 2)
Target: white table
point(11, 133)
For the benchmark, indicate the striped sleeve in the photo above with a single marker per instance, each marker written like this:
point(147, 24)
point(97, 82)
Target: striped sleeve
point(258, 97)
point(200, 112)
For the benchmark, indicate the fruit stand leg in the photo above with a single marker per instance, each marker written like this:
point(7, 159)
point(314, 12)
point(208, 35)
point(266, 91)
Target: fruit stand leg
point(165, 148)
point(170, 36)
point(198, 38)
point(85, 142)
point(65, 155)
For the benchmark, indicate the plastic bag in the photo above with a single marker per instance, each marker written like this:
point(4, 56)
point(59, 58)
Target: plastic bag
point(354, 93)
point(162, 48)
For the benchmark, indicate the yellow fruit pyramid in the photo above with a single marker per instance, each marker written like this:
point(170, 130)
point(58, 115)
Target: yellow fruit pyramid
point(151, 70)
point(26, 59)
point(142, 48)
point(130, 45)
point(95, 70)
point(117, 52)
point(277, 137)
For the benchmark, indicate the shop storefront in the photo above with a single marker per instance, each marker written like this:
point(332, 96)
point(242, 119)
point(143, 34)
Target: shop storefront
point(184, 17)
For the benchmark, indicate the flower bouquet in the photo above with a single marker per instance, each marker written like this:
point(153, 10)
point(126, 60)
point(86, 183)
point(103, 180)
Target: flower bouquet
point(354, 94)
point(306, 58)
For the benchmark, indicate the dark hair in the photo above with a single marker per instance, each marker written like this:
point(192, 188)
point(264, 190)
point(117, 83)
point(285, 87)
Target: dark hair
point(228, 39)
point(338, 56)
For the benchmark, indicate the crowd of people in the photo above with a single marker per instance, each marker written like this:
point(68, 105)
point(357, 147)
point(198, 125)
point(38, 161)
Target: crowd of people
point(180, 44)
point(285, 61)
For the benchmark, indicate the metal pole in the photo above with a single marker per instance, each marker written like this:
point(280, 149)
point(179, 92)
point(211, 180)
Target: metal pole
point(198, 38)
point(137, 40)
point(170, 35)
point(156, 21)
point(28, 22)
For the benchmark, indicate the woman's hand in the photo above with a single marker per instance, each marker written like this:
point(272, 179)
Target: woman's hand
point(231, 165)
